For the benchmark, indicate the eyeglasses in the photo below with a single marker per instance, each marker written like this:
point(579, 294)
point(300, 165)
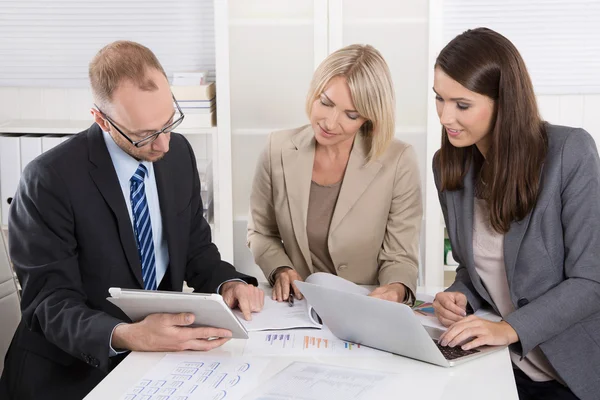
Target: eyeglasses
point(152, 137)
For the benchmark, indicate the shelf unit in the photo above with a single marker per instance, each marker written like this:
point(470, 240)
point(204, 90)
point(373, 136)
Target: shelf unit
point(265, 55)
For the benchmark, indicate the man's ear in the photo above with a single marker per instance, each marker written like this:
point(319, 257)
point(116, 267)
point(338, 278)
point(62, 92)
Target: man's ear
point(99, 119)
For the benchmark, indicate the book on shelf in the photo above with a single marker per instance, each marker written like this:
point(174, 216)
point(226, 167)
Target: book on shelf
point(199, 110)
point(194, 92)
point(190, 104)
point(187, 78)
point(199, 120)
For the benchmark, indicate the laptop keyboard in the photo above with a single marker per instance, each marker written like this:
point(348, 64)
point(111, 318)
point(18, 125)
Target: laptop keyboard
point(452, 353)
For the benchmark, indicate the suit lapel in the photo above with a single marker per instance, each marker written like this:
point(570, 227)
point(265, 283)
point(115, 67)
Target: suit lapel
point(514, 238)
point(107, 182)
point(357, 178)
point(166, 191)
point(297, 163)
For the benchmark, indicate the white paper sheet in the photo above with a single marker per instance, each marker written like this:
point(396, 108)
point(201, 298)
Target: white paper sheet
point(307, 381)
point(279, 315)
point(335, 282)
point(306, 342)
point(198, 377)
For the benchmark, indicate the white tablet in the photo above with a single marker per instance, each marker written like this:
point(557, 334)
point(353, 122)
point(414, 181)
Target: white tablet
point(209, 309)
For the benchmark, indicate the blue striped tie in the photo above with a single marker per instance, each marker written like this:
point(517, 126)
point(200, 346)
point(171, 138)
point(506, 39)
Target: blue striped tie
point(143, 227)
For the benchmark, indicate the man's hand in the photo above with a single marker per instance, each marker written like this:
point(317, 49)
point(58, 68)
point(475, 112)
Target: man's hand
point(393, 292)
point(247, 298)
point(474, 332)
point(284, 278)
point(450, 307)
point(167, 332)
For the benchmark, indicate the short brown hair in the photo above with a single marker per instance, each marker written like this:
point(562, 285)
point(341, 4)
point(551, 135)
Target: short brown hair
point(118, 61)
point(508, 178)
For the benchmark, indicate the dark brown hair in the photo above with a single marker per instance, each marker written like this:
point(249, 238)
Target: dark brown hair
point(118, 61)
point(508, 178)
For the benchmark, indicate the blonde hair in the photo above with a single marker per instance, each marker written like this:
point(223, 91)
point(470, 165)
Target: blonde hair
point(118, 61)
point(371, 87)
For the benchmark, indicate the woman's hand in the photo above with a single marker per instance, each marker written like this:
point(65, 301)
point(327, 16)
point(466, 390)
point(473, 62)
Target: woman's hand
point(475, 332)
point(283, 279)
point(450, 307)
point(392, 292)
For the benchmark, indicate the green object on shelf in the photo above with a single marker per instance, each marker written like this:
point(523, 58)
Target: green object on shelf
point(447, 248)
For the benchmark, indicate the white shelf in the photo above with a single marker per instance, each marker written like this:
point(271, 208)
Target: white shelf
point(450, 268)
point(197, 131)
point(44, 126)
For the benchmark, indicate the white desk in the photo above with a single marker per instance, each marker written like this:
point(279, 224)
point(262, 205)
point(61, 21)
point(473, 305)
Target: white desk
point(488, 377)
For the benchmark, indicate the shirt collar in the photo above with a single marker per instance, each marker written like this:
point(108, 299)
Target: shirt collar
point(125, 165)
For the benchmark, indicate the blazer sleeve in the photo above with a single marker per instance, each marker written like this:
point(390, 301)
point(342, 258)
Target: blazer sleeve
point(578, 296)
point(205, 271)
point(263, 238)
point(462, 282)
point(399, 254)
point(43, 249)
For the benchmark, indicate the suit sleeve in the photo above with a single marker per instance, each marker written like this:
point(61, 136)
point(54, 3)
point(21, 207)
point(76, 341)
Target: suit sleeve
point(263, 236)
point(578, 296)
point(462, 282)
point(205, 271)
point(43, 249)
point(399, 254)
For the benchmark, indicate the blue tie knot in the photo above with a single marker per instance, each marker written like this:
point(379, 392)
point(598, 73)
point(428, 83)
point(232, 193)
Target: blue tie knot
point(140, 174)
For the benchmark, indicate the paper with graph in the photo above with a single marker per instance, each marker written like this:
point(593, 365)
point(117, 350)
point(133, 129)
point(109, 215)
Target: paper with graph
point(198, 377)
point(305, 342)
point(309, 381)
point(279, 315)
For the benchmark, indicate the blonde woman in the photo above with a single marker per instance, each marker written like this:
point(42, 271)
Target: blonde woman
point(340, 195)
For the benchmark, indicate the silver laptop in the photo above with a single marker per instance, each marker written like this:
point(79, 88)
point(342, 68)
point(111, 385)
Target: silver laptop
point(384, 325)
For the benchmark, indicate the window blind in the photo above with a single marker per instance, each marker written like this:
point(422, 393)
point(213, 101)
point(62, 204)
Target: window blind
point(559, 39)
point(49, 43)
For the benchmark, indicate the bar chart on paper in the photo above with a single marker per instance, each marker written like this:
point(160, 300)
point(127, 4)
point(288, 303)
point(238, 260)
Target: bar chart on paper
point(304, 342)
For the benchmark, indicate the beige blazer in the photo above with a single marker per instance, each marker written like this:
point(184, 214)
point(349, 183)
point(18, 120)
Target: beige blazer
point(374, 232)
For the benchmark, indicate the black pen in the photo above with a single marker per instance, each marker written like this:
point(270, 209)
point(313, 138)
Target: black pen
point(291, 297)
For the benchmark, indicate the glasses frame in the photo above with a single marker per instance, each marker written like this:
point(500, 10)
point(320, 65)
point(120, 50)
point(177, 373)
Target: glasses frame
point(151, 138)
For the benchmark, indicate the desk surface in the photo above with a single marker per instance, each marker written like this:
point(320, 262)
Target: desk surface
point(488, 377)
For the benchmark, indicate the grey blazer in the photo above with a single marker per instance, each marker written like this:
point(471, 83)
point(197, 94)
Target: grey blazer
point(552, 260)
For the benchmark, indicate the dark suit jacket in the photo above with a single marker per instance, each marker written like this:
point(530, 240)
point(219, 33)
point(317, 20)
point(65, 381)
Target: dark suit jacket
point(71, 239)
point(552, 260)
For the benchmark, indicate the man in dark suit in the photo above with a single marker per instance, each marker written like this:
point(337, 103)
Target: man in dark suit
point(117, 205)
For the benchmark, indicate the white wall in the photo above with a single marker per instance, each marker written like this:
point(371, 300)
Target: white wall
point(573, 110)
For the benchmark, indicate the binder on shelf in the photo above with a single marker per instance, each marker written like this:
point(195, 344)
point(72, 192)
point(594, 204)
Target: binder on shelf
point(10, 171)
point(31, 147)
